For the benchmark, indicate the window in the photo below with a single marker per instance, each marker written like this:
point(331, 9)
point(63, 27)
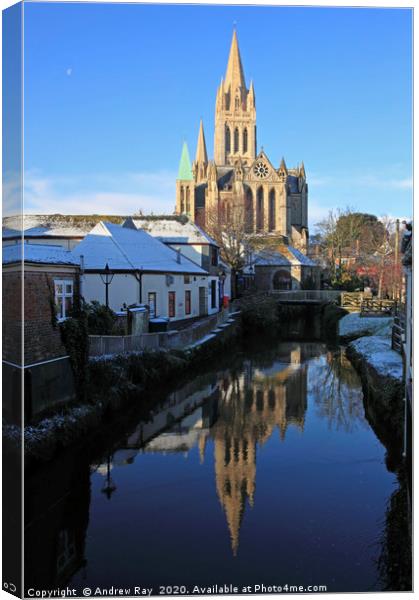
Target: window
point(172, 304)
point(188, 202)
point(213, 293)
point(187, 302)
point(214, 256)
point(63, 298)
point(182, 199)
point(186, 279)
point(272, 210)
point(152, 303)
point(228, 141)
point(245, 140)
point(236, 140)
point(259, 209)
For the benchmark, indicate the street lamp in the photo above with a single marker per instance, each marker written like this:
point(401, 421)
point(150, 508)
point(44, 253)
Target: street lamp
point(106, 278)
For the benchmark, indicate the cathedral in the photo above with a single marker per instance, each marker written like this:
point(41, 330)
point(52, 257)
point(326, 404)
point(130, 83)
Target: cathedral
point(271, 201)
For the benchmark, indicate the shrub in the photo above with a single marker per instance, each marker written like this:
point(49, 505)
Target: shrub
point(259, 314)
point(100, 319)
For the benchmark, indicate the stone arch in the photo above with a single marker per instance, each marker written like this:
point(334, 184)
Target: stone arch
point(259, 209)
point(272, 210)
point(282, 280)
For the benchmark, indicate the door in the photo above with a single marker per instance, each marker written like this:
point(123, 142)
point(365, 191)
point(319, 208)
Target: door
point(203, 301)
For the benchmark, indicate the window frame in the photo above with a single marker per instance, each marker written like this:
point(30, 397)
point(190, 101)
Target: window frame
point(155, 304)
point(63, 295)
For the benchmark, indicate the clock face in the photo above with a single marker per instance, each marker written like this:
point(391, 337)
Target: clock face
point(260, 170)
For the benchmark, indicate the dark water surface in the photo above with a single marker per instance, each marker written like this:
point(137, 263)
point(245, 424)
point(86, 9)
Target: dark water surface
point(266, 472)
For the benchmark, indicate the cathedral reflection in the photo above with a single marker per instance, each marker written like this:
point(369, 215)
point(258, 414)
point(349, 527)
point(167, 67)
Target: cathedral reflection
point(252, 406)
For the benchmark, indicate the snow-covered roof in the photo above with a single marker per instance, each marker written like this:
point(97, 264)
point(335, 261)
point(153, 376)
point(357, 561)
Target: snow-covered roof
point(172, 231)
point(126, 249)
point(38, 253)
point(54, 231)
point(283, 256)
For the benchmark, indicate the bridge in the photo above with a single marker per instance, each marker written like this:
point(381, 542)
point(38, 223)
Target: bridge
point(306, 297)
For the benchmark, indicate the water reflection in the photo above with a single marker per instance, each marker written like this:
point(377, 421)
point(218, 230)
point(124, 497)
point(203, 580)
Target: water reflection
point(283, 430)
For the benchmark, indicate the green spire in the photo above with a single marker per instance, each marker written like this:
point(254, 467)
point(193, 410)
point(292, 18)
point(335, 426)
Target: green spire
point(185, 171)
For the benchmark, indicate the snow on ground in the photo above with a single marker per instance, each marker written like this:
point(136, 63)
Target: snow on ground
point(353, 326)
point(377, 352)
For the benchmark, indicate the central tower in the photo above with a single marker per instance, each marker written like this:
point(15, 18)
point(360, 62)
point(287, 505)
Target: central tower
point(235, 115)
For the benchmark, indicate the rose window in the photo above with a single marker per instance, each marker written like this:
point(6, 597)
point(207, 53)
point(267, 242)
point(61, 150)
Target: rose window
point(260, 170)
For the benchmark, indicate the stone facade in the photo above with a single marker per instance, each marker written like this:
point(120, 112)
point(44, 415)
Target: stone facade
point(271, 200)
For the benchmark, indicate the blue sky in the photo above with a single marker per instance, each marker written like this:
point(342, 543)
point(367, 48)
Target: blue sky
point(111, 91)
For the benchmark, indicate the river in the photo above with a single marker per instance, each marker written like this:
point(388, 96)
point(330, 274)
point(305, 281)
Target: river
point(262, 472)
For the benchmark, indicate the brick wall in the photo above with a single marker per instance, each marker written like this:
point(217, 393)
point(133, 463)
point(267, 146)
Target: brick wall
point(42, 340)
point(12, 317)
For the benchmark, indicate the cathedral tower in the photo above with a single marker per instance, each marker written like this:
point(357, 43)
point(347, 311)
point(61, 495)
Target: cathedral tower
point(235, 114)
point(270, 200)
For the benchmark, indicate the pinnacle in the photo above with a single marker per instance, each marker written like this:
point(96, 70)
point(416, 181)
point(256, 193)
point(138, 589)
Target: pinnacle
point(201, 148)
point(234, 75)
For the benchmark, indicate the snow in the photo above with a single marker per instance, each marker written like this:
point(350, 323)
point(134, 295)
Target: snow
point(172, 231)
point(126, 249)
point(377, 352)
point(283, 256)
point(353, 325)
point(38, 253)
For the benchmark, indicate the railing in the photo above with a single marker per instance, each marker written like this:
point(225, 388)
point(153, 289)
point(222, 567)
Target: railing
point(375, 307)
point(308, 295)
point(117, 344)
point(352, 301)
point(399, 329)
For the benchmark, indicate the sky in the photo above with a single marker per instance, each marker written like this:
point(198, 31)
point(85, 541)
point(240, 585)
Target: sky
point(111, 92)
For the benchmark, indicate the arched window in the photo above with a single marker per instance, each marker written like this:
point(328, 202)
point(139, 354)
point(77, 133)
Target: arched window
point(188, 202)
point(228, 140)
point(236, 140)
point(245, 140)
point(249, 211)
point(272, 210)
point(237, 102)
point(259, 209)
point(182, 199)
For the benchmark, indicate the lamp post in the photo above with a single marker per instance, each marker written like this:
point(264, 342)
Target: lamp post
point(107, 277)
point(108, 487)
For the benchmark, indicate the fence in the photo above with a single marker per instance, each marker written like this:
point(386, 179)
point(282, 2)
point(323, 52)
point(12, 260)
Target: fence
point(117, 344)
point(352, 301)
point(374, 307)
point(398, 329)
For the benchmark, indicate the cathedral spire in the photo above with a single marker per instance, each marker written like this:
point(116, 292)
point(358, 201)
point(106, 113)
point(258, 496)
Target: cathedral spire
point(185, 171)
point(201, 148)
point(234, 75)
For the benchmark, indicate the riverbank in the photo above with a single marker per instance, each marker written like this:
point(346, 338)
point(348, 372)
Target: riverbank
point(368, 347)
point(116, 383)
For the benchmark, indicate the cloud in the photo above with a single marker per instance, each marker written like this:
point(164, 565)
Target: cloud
point(100, 193)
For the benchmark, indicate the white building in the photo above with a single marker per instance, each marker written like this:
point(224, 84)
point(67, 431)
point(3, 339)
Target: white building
point(183, 235)
point(142, 270)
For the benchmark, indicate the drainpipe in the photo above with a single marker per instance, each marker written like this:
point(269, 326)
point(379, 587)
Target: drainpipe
point(81, 275)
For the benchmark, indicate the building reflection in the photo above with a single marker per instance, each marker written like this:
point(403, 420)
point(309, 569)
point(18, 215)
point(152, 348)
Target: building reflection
point(252, 406)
